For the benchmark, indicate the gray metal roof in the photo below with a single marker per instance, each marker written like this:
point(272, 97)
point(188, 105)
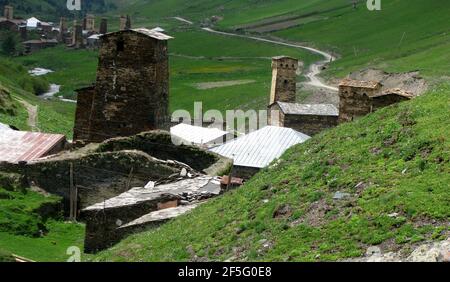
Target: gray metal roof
point(308, 109)
point(259, 148)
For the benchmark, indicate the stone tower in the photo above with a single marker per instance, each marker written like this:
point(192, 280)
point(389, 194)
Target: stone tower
point(128, 22)
point(8, 12)
point(90, 22)
point(123, 22)
point(77, 35)
point(131, 94)
point(284, 80)
point(62, 29)
point(23, 33)
point(103, 26)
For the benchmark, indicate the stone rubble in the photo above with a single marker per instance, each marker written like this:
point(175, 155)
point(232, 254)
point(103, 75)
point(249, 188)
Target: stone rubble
point(429, 252)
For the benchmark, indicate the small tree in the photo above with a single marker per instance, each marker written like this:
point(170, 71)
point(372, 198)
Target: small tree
point(10, 44)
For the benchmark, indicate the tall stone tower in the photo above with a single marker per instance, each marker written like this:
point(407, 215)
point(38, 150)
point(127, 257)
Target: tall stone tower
point(8, 12)
point(131, 94)
point(103, 26)
point(77, 35)
point(62, 29)
point(90, 22)
point(128, 22)
point(123, 22)
point(284, 79)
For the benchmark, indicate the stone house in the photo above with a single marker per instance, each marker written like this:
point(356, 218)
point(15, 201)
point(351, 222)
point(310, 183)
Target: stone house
point(283, 111)
point(131, 94)
point(359, 98)
point(8, 22)
point(38, 44)
point(308, 119)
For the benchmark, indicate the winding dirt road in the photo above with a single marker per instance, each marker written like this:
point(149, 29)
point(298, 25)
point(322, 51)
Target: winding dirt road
point(314, 70)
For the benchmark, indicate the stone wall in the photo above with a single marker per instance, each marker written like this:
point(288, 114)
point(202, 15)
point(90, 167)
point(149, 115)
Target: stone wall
point(244, 172)
point(103, 171)
point(386, 100)
point(359, 101)
point(310, 124)
point(102, 225)
point(354, 102)
point(159, 145)
point(98, 176)
point(306, 124)
point(83, 113)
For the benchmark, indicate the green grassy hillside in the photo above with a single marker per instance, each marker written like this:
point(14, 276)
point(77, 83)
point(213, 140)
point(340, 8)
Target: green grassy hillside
point(386, 39)
point(53, 116)
point(393, 161)
point(31, 225)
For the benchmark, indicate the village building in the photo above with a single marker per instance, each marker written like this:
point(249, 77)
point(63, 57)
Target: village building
point(22, 146)
point(89, 23)
point(63, 31)
point(8, 22)
point(93, 41)
point(359, 98)
point(200, 136)
point(256, 150)
point(38, 44)
point(131, 94)
point(103, 26)
point(309, 119)
point(125, 22)
point(283, 111)
point(77, 35)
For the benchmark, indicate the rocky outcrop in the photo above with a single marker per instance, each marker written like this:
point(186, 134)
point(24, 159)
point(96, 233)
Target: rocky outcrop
point(430, 252)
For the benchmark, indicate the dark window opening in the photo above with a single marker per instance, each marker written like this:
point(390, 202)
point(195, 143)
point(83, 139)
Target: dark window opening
point(120, 45)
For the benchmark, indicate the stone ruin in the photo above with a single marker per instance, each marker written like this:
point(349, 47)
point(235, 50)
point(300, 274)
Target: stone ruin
point(359, 98)
point(124, 184)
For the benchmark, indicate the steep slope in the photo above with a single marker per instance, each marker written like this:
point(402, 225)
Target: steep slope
point(382, 180)
point(53, 116)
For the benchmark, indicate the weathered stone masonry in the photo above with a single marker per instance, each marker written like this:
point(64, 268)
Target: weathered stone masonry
point(284, 79)
point(131, 94)
point(308, 119)
point(359, 98)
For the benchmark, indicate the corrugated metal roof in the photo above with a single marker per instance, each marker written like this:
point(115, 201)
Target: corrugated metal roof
point(4, 127)
point(16, 146)
point(308, 109)
point(196, 134)
point(259, 148)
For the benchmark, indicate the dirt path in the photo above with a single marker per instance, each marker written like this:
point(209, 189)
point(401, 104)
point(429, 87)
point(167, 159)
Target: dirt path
point(314, 70)
point(320, 92)
point(32, 114)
